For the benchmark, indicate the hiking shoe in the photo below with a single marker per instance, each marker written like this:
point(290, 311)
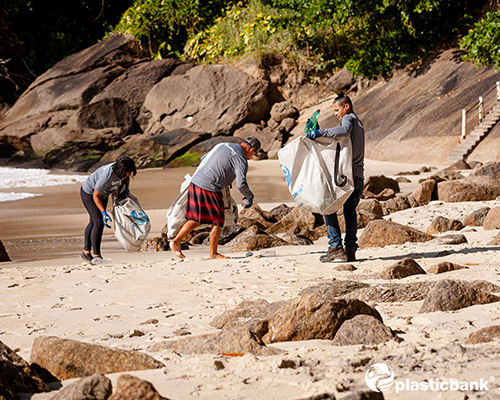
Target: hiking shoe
point(86, 256)
point(334, 255)
point(351, 255)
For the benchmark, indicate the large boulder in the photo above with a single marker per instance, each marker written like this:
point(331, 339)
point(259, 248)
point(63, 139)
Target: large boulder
point(461, 190)
point(66, 359)
point(376, 184)
point(3, 253)
point(488, 174)
point(362, 329)
point(492, 219)
point(402, 269)
point(476, 218)
point(208, 98)
point(443, 224)
point(381, 232)
point(94, 387)
point(298, 220)
point(129, 387)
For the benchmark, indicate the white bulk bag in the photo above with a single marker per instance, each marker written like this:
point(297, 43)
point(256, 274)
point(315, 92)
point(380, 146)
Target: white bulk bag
point(318, 172)
point(131, 223)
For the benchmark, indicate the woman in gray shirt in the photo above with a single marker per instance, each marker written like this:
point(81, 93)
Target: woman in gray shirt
point(94, 192)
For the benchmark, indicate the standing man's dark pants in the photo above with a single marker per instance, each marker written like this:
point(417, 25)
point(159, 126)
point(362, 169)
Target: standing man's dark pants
point(351, 223)
point(95, 228)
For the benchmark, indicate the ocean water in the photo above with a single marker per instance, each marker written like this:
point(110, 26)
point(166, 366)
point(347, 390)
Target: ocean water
point(29, 178)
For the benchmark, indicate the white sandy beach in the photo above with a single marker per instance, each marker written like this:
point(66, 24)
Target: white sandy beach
point(48, 290)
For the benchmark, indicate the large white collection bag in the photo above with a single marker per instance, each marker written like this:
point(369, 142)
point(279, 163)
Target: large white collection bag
point(176, 214)
point(318, 172)
point(131, 223)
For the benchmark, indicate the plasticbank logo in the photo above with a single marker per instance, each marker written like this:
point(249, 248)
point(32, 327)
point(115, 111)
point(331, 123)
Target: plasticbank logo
point(380, 377)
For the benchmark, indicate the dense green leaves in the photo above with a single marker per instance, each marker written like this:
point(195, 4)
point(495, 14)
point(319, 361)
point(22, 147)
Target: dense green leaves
point(483, 41)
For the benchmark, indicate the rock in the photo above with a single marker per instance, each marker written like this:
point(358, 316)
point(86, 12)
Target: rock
point(199, 238)
point(3, 253)
point(446, 175)
point(375, 184)
point(299, 219)
point(476, 218)
point(313, 317)
point(230, 340)
point(449, 295)
point(381, 232)
point(402, 179)
point(460, 190)
point(385, 194)
point(277, 213)
point(270, 139)
point(246, 235)
point(287, 124)
point(450, 239)
point(16, 375)
point(443, 224)
point(247, 223)
point(258, 242)
point(392, 292)
point(340, 81)
point(492, 219)
point(362, 329)
point(345, 267)
point(423, 194)
point(129, 387)
point(459, 165)
point(488, 174)
point(363, 395)
point(444, 266)
point(402, 269)
point(298, 240)
point(229, 232)
point(282, 110)
point(66, 359)
point(395, 204)
point(180, 101)
point(94, 387)
point(485, 335)
point(155, 244)
point(256, 213)
point(334, 289)
point(253, 315)
point(495, 241)
point(370, 207)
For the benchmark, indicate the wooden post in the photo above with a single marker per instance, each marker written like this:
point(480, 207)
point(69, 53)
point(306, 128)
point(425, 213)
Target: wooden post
point(464, 123)
point(481, 105)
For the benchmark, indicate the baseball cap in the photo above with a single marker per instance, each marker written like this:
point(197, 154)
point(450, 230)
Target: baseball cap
point(253, 142)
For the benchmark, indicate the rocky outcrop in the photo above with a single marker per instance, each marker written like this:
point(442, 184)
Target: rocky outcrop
point(94, 387)
point(129, 387)
point(66, 359)
point(16, 375)
point(461, 190)
point(381, 232)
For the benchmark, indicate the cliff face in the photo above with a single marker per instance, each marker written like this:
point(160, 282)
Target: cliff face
point(109, 100)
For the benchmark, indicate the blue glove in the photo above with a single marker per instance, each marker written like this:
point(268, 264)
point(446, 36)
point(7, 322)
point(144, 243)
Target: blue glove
point(247, 203)
point(106, 218)
point(123, 194)
point(314, 134)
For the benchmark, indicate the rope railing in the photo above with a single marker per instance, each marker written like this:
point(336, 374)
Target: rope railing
point(474, 115)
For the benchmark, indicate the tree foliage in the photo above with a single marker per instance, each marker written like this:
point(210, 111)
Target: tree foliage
point(483, 41)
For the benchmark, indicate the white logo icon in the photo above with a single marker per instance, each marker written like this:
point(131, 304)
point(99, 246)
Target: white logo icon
point(379, 377)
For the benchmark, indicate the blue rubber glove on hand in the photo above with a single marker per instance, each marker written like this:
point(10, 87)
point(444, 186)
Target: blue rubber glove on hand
point(123, 194)
point(247, 203)
point(314, 134)
point(106, 218)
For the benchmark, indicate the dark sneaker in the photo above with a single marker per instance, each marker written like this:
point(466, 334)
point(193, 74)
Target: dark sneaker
point(351, 255)
point(334, 255)
point(86, 256)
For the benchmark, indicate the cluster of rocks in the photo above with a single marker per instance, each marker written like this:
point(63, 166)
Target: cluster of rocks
point(111, 100)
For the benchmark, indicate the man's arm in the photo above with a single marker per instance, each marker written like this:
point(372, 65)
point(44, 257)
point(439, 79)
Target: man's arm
point(241, 170)
point(344, 129)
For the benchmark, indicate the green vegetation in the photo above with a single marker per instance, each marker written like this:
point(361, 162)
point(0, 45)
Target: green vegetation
point(188, 159)
point(483, 41)
point(370, 37)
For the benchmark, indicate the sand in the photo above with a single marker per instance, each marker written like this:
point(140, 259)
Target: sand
point(47, 290)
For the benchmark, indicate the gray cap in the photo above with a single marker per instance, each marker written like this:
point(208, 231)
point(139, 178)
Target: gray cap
point(253, 142)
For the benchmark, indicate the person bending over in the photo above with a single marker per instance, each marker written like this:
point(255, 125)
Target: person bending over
point(350, 125)
point(205, 205)
point(94, 192)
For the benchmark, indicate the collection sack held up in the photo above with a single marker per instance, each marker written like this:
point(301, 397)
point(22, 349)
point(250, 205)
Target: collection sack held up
point(131, 223)
point(318, 172)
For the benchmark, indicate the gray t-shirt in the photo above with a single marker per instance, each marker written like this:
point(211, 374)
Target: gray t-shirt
point(351, 125)
point(225, 163)
point(104, 180)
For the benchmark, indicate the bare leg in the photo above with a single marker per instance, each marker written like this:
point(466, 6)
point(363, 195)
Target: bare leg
point(175, 245)
point(214, 243)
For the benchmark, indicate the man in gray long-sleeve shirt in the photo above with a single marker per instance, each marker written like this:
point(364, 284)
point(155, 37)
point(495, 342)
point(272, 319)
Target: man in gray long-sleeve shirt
point(351, 126)
point(218, 169)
